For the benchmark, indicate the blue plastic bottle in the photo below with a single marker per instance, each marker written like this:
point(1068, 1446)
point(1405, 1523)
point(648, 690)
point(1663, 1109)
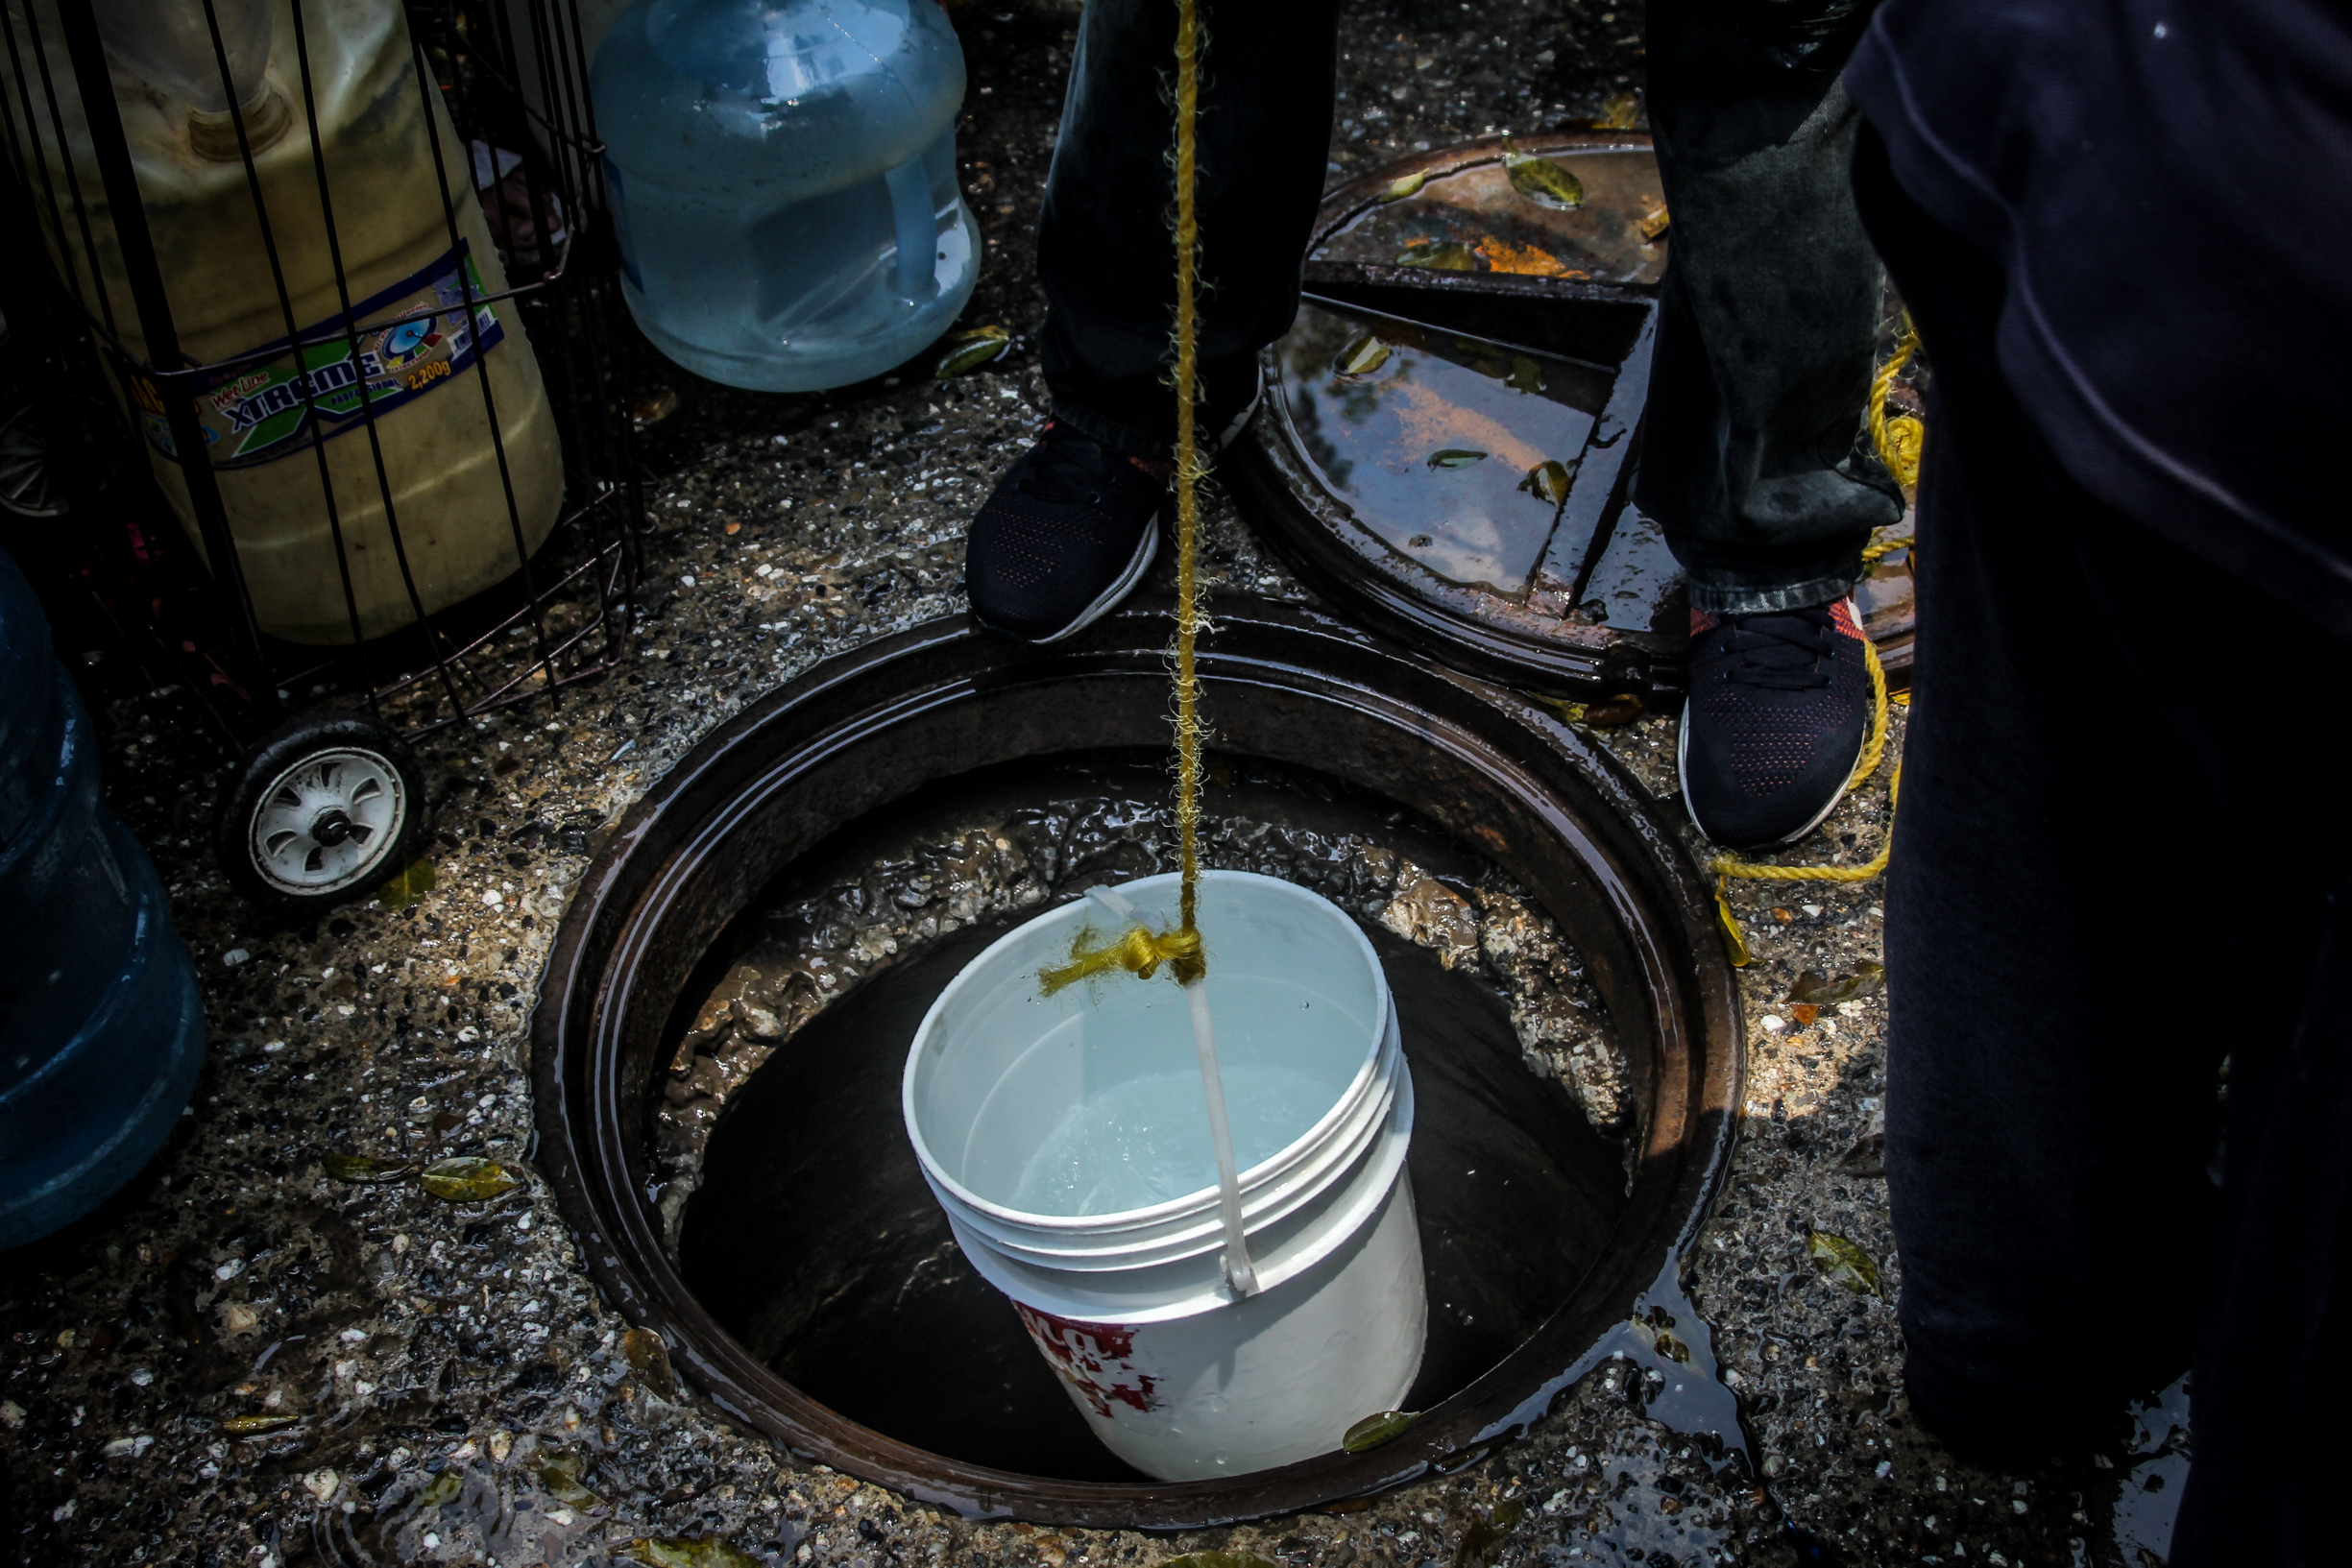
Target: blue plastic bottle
point(783, 176)
point(100, 1029)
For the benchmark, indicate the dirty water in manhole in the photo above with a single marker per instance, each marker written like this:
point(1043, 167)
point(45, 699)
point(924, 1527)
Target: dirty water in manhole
point(861, 832)
point(810, 1235)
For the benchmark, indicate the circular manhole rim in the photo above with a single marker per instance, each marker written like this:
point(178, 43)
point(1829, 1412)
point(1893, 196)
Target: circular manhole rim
point(656, 890)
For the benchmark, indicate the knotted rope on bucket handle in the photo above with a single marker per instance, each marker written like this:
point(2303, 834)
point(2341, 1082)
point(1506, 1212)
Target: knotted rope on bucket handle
point(1899, 441)
point(1138, 950)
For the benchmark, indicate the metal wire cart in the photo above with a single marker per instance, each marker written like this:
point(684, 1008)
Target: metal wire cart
point(311, 327)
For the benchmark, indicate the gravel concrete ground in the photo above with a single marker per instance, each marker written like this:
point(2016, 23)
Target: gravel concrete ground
point(248, 1361)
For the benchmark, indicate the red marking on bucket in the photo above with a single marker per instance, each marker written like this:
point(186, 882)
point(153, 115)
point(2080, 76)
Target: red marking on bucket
point(1094, 1357)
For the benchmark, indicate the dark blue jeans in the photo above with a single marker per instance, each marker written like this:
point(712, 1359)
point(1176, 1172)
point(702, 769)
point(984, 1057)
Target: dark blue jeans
point(2104, 882)
point(1751, 456)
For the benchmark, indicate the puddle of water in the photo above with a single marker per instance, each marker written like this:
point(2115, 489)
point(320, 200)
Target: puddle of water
point(810, 1234)
point(1503, 230)
point(1438, 449)
point(1636, 585)
point(2147, 1495)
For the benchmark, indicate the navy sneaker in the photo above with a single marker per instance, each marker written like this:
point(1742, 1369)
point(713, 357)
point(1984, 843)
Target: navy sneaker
point(1778, 708)
point(1067, 534)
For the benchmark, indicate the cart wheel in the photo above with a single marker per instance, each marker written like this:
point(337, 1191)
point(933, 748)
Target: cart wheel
point(321, 810)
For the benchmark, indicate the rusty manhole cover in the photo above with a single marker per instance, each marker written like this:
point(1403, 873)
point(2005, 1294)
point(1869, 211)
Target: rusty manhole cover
point(1453, 423)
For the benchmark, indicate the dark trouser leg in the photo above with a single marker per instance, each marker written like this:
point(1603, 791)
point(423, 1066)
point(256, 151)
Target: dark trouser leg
point(2092, 899)
point(1753, 456)
point(1104, 249)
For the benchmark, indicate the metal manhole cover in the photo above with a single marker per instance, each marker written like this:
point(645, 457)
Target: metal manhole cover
point(1453, 422)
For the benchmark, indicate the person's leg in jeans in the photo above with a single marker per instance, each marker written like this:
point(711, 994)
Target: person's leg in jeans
point(1753, 458)
point(1073, 525)
point(2089, 907)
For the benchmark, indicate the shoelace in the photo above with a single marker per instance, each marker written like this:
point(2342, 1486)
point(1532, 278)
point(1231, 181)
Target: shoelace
point(1068, 468)
point(1785, 651)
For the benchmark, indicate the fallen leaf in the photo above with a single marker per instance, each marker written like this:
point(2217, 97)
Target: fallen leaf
point(1803, 1013)
point(971, 351)
point(1455, 457)
point(1842, 1262)
point(559, 1474)
point(409, 885)
point(1506, 1516)
point(1653, 224)
point(1547, 481)
point(1363, 356)
point(1372, 1431)
point(1622, 709)
point(1218, 1559)
point(654, 406)
point(442, 1489)
point(1478, 1545)
point(1453, 256)
point(1526, 375)
point(469, 1178)
point(704, 1552)
point(1619, 112)
point(1524, 260)
point(649, 1356)
point(1866, 1158)
point(1542, 181)
point(1672, 1348)
point(363, 1169)
point(1867, 977)
point(254, 1426)
point(1410, 185)
point(1734, 944)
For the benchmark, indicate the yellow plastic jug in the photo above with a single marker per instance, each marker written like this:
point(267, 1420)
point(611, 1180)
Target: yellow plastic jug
point(420, 359)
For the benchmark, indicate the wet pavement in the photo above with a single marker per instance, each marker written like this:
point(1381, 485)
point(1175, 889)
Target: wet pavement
point(279, 1347)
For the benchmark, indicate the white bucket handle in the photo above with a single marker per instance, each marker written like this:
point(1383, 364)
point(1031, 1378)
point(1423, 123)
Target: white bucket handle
point(1241, 1275)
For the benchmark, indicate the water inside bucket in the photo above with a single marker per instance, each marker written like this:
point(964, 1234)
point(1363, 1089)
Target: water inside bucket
point(1147, 1140)
point(1090, 1103)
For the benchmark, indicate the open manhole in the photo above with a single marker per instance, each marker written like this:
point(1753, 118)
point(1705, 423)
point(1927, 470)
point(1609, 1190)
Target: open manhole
point(1452, 425)
point(765, 930)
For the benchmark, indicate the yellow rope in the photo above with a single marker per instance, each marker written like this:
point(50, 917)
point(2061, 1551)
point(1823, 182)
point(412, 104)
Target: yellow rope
point(1141, 952)
point(1187, 478)
point(1899, 441)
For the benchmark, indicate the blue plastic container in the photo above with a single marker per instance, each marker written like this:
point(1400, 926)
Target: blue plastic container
point(782, 174)
point(101, 1028)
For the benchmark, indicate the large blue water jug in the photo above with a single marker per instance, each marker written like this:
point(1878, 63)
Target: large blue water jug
point(100, 1029)
point(783, 173)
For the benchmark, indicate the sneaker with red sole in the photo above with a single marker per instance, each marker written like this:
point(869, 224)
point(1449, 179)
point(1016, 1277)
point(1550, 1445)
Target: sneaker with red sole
point(1778, 711)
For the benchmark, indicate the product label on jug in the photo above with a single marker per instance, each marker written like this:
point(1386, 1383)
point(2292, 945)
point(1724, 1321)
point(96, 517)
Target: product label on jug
point(413, 339)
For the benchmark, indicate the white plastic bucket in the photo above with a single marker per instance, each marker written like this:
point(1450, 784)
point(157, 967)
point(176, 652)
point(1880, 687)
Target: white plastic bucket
point(1129, 1306)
